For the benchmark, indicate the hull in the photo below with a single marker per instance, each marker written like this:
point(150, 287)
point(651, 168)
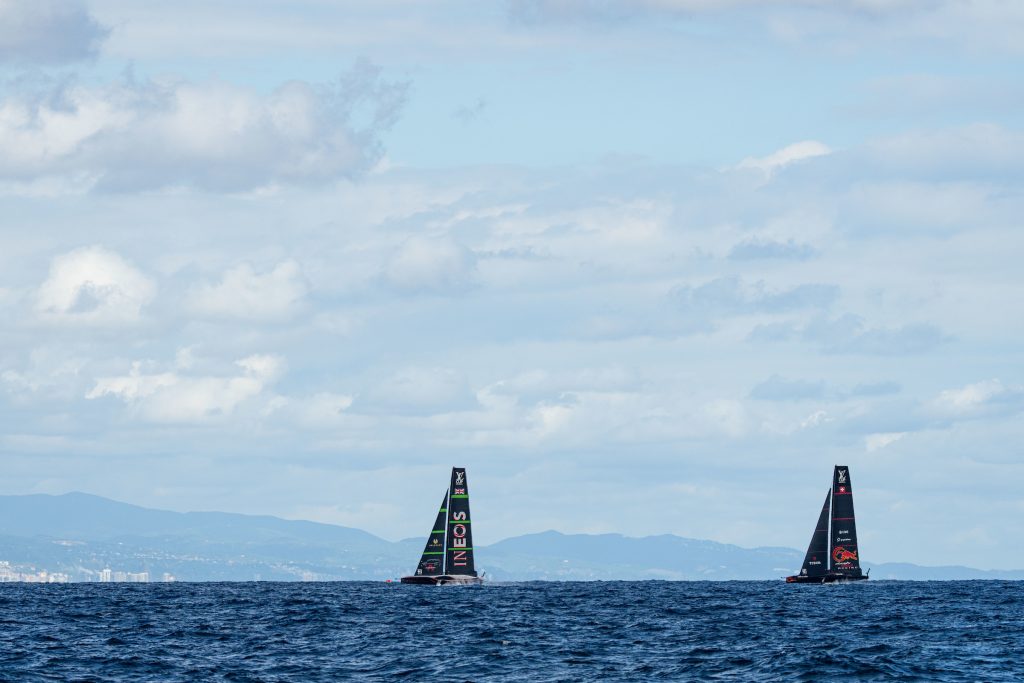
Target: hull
point(827, 578)
point(443, 580)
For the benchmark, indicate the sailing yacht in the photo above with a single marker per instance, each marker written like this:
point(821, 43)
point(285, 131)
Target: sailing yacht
point(833, 556)
point(448, 555)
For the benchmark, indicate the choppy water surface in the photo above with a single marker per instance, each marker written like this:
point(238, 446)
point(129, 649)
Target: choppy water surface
point(948, 631)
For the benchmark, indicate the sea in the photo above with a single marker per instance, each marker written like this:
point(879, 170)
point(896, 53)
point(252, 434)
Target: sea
point(534, 631)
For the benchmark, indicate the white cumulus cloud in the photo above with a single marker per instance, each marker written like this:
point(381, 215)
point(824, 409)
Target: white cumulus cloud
point(93, 285)
point(244, 293)
point(800, 151)
point(176, 398)
point(876, 442)
point(214, 135)
point(431, 264)
point(988, 397)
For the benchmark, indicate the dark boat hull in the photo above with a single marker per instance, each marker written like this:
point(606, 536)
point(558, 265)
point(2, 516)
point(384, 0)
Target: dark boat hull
point(826, 578)
point(443, 580)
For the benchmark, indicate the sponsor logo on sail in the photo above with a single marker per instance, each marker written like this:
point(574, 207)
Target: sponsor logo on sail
point(458, 539)
point(841, 477)
point(841, 554)
point(460, 477)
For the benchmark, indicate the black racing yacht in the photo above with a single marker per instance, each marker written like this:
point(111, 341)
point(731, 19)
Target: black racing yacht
point(448, 557)
point(832, 556)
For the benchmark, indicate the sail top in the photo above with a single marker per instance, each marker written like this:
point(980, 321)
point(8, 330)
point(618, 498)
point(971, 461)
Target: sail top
point(459, 557)
point(816, 559)
point(432, 560)
point(843, 550)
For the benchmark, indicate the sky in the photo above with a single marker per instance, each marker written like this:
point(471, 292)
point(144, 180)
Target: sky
point(643, 267)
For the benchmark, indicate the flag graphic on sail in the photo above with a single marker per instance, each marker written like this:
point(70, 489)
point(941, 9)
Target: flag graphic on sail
point(843, 550)
point(816, 559)
point(459, 559)
point(432, 560)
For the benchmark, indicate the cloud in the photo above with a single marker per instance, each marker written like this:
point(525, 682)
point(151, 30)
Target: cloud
point(981, 399)
point(597, 8)
point(885, 417)
point(777, 388)
point(921, 95)
point(977, 25)
point(876, 389)
point(418, 391)
point(850, 334)
point(50, 372)
point(176, 398)
point(729, 296)
point(781, 331)
point(213, 135)
point(536, 386)
point(799, 151)
point(755, 249)
point(884, 422)
point(531, 12)
point(972, 151)
point(264, 367)
point(48, 31)
point(932, 207)
point(431, 265)
point(815, 419)
point(324, 409)
point(244, 293)
point(93, 286)
point(603, 11)
point(876, 442)
point(592, 421)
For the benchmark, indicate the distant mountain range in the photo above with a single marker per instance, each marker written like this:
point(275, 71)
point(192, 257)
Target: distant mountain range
point(79, 535)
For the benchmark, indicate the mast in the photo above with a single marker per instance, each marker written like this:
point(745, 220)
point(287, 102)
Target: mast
point(432, 560)
point(444, 525)
point(459, 543)
point(843, 549)
point(816, 559)
point(828, 549)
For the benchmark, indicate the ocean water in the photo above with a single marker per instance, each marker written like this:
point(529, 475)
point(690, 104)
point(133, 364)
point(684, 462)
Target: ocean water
point(765, 631)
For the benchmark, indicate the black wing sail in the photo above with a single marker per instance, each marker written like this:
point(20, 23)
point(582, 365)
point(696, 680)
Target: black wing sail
point(432, 561)
point(816, 559)
point(843, 542)
point(459, 559)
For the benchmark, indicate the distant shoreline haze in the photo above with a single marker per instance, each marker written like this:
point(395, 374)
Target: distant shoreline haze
point(78, 537)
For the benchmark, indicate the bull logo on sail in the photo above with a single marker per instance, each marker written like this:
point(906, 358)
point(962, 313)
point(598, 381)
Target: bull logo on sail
point(841, 554)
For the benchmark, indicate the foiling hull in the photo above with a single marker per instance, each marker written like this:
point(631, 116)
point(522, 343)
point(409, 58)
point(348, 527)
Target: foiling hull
point(827, 578)
point(443, 580)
